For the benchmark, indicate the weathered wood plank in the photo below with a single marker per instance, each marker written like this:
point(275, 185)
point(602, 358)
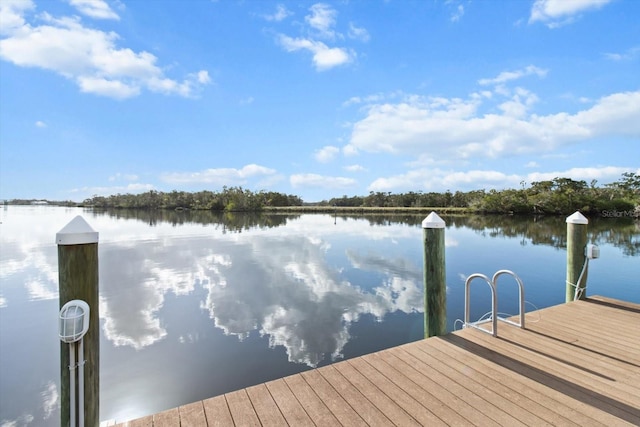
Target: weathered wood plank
point(503, 356)
point(367, 386)
point(290, 408)
point(575, 364)
point(168, 418)
point(217, 412)
point(564, 404)
point(594, 331)
point(141, 422)
point(500, 397)
point(192, 415)
point(591, 314)
point(310, 401)
point(430, 379)
point(477, 401)
point(591, 383)
point(509, 385)
point(615, 303)
point(587, 318)
point(367, 411)
point(400, 406)
point(266, 409)
point(340, 409)
point(614, 349)
point(241, 409)
point(578, 355)
point(402, 375)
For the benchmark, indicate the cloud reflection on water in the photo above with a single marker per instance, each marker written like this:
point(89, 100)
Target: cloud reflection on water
point(275, 282)
point(284, 287)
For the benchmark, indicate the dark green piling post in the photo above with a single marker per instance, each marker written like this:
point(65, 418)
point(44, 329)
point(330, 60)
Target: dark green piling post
point(435, 287)
point(576, 257)
point(78, 279)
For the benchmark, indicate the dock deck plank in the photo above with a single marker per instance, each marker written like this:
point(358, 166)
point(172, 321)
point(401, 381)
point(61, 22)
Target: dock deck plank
point(289, 406)
point(575, 364)
point(217, 411)
point(241, 408)
point(317, 410)
point(192, 415)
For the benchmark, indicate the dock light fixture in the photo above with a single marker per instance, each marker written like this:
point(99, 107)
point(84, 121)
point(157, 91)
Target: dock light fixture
point(73, 323)
point(590, 252)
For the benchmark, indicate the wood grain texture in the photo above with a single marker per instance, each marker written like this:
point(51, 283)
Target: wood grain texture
point(576, 364)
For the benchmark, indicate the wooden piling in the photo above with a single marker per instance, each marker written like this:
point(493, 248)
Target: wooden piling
point(576, 257)
point(435, 287)
point(78, 279)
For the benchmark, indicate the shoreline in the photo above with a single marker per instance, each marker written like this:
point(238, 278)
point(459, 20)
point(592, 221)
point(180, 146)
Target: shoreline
point(366, 209)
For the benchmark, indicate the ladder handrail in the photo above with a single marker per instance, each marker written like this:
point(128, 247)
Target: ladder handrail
point(467, 305)
point(520, 295)
point(493, 284)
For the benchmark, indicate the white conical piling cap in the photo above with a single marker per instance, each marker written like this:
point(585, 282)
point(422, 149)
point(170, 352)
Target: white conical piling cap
point(433, 221)
point(77, 232)
point(577, 218)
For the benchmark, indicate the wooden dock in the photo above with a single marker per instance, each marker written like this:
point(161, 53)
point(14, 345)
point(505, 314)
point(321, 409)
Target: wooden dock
point(576, 364)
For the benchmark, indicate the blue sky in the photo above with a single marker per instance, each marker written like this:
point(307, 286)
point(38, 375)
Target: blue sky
point(317, 99)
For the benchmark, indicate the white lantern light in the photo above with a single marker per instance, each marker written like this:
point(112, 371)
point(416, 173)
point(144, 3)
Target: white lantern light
point(74, 321)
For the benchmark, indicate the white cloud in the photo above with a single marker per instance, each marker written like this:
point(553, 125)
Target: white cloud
point(41, 289)
point(97, 9)
point(427, 179)
point(355, 168)
point(123, 177)
point(556, 13)
point(318, 181)
point(519, 104)
point(247, 101)
point(355, 100)
point(324, 57)
point(202, 77)
point(110, 88)
point(220, 176)
point(532, 164)
point(616, 114)
point(440, 180)
point(89, 57)
point(506, 76)
point(12, 14)
point(50, 399)
point(41, 124)
point(459, 12)
point(604, 173)
point(349, 150)
point(326, 154)
point(627, 55)
point(433, 128)
point(22, 420)
point(358, 33)
point(133, 188)
point(318, 31)
point(280, 14)
point(322, 19)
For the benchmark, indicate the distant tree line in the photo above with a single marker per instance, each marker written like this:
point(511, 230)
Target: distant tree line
point(556, 196)
point(68, 203)
point(549, 230)
point(230, 199)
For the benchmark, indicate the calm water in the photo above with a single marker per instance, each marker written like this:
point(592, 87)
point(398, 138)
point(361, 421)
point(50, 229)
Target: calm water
point(193, 305)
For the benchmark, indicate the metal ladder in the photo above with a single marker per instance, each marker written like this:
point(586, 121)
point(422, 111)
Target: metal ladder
point(494, 303)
